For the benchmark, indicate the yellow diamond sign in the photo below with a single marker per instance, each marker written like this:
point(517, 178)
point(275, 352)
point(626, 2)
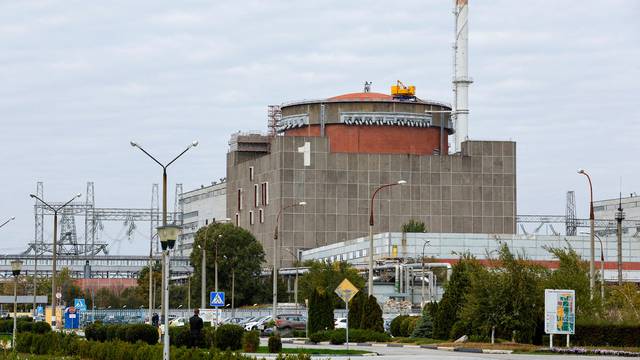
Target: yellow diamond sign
point(346, 290)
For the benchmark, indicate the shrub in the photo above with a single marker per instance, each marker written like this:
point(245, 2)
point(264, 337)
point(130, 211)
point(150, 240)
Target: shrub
point(141, 332)
point(607, 335)
point(251, 341)
point(129, 333)
point(394, 327)
point(229, 337)
point(424, 326)
point(41, 327)
point(339, 336)
point(320, 336)
point(408, 325)
point(179, 336)
point(275, 343)
point(96, 332)
point(372, 315)
point(209, 334)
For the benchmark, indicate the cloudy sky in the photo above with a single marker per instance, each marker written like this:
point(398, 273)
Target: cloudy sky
point(79, 79)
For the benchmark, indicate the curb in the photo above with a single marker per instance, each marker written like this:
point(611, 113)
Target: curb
point(409, 346)
point(468, 350)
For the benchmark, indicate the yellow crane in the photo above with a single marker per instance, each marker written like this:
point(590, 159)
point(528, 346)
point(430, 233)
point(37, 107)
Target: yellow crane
point(401, 90)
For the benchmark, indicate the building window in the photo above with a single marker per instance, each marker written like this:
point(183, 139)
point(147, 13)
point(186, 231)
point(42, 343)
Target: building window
point(261, 216)
point(250, 173)
point(255, 195)
point(264, 193)
point(250, 217)
point(239, 199)
point(237, 219)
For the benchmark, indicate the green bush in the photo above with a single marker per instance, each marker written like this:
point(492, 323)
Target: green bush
point(607, 335)
point(275, 344)
point(424, 326)
point(408, 325)
point(209, 334)
point(394, 327)
point(320, 312)
point(41, 327)
point(251, 341)
point(179, 336)
point(129, 333)
point(229, 337)
point(320, 336)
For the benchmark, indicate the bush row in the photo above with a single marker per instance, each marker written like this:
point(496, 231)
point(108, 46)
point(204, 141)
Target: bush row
point(131, 333)
point(607, 335)
point(24, 325)
point(224, 337)
point(338, 336)
point(403, 325)
point(59, 344)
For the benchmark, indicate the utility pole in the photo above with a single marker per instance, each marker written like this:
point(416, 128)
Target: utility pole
point(619, 218)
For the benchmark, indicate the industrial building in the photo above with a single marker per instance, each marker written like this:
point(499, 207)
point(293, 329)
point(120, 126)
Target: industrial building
point(201, 207)
point(334, 153)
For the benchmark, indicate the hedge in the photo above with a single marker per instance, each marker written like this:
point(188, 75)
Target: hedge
point(607, 335)
point(229, 337)
point(60, 344)
point(24, 325)
point(394, 327)
point(129, 333)
point(251, 341)
point(338, 336)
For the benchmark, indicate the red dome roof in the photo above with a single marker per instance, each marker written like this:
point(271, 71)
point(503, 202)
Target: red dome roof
point(368, 96)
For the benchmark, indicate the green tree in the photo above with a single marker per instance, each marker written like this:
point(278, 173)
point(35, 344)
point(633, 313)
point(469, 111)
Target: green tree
point(320, 312)
point(356, 306)
point(238, 253)
point(372, 315)
point(326, 277)
point(414, 226)
point(573, 273)
point(454, 298)
point(424, 326)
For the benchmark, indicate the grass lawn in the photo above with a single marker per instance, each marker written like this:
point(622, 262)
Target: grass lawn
point(265, 350)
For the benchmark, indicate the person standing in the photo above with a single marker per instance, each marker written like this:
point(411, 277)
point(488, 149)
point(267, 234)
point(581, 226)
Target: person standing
point(195, 327)
point(155, 320)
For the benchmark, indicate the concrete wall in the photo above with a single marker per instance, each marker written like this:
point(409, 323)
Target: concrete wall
point(474, 192)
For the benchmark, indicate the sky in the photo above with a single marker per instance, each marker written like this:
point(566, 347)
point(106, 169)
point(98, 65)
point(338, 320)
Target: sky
point(80, 79)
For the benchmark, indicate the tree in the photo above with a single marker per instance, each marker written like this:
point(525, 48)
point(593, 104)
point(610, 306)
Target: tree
point(143, 283)
point(372, 315)
point(326, 277)
point(238, 252)
point(320, 312)
point(356, 306)
point(414, 226)
point(424, 327)
point(453, 299)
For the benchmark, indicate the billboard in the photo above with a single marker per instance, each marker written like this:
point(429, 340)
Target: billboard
point(559, 311)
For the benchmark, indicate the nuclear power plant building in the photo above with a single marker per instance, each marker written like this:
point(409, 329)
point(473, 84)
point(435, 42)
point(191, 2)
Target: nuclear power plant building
point(332, 154)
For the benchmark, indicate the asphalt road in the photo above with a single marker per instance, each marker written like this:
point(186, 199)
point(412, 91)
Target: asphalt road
point(397, 353)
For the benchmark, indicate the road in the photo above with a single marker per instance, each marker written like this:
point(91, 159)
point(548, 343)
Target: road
point(398, 353)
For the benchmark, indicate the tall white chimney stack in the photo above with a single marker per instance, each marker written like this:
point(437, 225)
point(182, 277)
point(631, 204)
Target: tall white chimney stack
point(461, 79)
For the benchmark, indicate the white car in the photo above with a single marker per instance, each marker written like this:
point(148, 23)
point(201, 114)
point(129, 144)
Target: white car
point(257, 324)
point(340, 323)
point(179, 321)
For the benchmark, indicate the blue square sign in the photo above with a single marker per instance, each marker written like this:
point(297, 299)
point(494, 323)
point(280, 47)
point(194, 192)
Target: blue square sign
point(80, 304)
point(216, 299)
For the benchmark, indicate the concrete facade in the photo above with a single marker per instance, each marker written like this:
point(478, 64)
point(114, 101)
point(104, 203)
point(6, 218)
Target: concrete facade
point(201, 207)
point(473, 191)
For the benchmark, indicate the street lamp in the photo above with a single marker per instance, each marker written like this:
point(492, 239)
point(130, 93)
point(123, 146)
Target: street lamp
point(275, 257)
point(426, 242)
point(399, 182)
point(592, 267)
point(601, 268)
point(53, 257)
point(164, 223)
point(8, 221)
point(16, 267)
point(295, 284)
point(168, 235)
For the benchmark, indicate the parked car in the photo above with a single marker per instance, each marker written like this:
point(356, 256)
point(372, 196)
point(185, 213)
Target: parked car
point(179, 321)
point(340, 323)
point(258, 323)
point(288, 322)
point(235, 320)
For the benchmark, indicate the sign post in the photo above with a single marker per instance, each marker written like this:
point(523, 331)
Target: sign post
point(346, 291)
point(559, 313)
point(216, 299)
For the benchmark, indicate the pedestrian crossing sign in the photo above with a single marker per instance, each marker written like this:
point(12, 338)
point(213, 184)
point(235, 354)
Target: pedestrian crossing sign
point(216, 299)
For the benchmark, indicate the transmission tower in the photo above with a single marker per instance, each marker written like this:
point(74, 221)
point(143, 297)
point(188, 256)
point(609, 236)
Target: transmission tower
point(155, 216)
point(89, 219)
point(39, 217)
point(570, 214)
point(68, 244)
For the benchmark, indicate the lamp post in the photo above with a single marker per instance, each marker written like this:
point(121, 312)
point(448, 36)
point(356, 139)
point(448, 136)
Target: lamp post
point(426, 242)
point(592, 268)
point(275, 258)
point(373, 196)
point(164, 223)
point(168, 235)
point(295, 284)
point(8, 221)
point(54, 253)
point(601, 268)
point(16, 267)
